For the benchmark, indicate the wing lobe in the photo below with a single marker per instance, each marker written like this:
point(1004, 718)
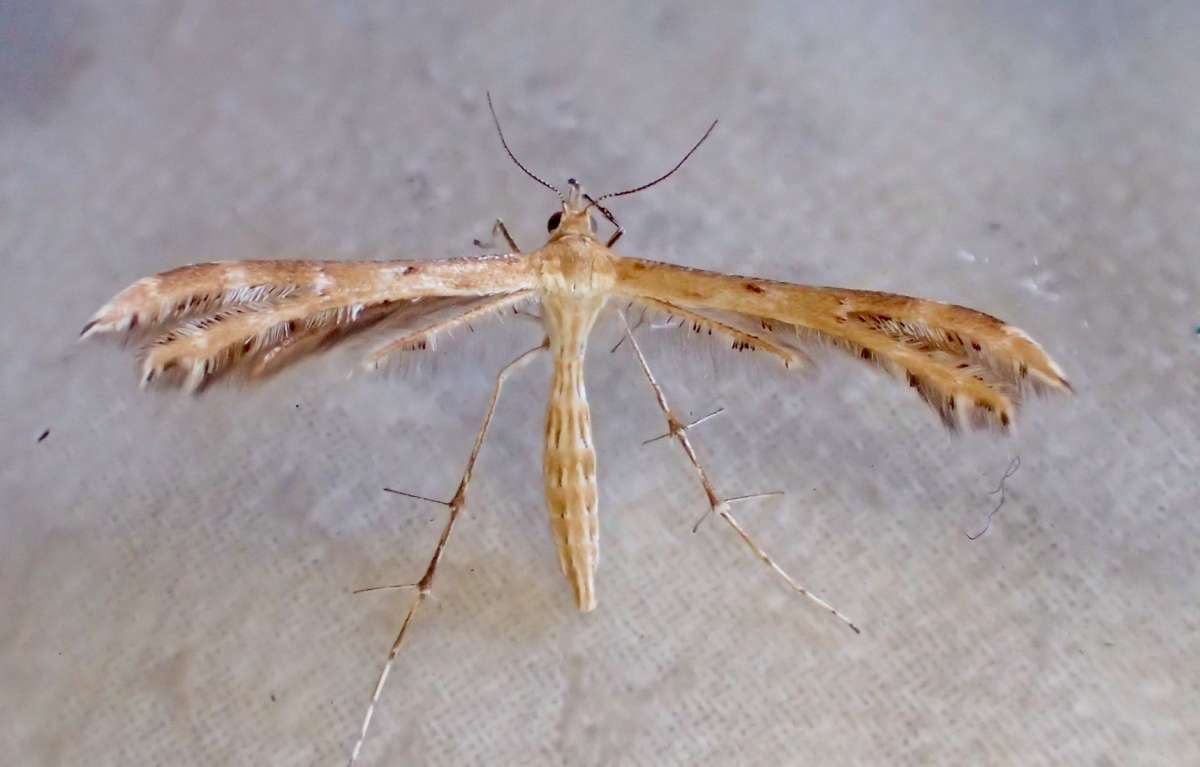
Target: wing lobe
point(201, 289)
point(970, 367)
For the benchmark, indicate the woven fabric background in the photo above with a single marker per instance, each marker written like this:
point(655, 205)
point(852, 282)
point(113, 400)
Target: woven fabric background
point(175, 571)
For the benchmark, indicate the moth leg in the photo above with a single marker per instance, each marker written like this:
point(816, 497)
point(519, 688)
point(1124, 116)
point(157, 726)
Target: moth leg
point(500, 229)
point(686, 426)
point(718, 505)
point(424, 587)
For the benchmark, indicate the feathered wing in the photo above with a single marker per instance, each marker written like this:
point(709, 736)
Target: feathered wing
point(423, 332)
point(727, 329)
point(206, 319)
point(970, 367)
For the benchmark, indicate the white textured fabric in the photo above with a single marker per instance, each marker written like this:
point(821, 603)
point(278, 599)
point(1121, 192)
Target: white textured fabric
point(175, 571)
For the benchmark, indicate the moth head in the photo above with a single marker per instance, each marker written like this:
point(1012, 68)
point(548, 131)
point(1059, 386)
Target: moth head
point(574, 218)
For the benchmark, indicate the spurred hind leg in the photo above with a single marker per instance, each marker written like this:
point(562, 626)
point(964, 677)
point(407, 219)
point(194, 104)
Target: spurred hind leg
point(718, 505)
point(456, 504)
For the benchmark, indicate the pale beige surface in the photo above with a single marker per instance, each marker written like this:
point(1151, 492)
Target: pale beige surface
point(174, 572)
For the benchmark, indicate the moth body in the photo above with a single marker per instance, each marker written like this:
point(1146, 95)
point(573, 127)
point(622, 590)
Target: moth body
point(570, 456)
point(576, 275)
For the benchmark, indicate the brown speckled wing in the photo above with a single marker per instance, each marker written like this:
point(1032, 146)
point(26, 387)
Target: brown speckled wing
point(970, 367)
point(213, 317)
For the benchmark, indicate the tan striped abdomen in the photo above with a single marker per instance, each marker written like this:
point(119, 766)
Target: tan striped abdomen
point(570, 457)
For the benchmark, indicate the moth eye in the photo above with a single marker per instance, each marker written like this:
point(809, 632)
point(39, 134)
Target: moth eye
point(554, 221)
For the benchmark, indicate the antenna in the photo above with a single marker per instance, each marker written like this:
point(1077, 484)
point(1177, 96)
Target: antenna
point(663, 177)
point(513, 157)
point(603, 210)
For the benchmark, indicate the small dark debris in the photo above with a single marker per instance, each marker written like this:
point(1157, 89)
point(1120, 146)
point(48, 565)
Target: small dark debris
point(297, 405)
point(1002, 491)
point(42, 438)
point(272, 697)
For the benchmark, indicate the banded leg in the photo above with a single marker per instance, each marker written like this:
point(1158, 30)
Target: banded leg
point(719, 506)
point(456, 504)
point(499, 228)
